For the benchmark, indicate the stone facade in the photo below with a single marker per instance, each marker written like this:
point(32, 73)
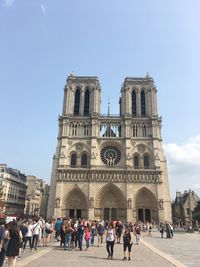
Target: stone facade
point(13, 184)
point(36, 197)
point(183, 207)
point(110, 167)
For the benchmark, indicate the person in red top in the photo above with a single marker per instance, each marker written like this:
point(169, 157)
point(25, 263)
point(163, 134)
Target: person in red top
point(87, 235)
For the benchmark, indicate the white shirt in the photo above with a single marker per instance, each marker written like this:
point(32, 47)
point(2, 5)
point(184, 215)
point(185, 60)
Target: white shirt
point(110, 235)
point(30, 230)
point(36, 228)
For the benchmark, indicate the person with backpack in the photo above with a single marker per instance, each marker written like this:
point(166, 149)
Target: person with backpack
point(128, 238)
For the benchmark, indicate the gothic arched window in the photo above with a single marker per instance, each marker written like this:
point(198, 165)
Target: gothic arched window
point(136, 162)
point(77, 102)
point(84, 160)
point(134, 105)
point(87, 102)
point(143, 103)
point(73, 160)
point(146, 162)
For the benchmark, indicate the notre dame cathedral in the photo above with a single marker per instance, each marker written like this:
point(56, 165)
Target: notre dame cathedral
point(110, 167)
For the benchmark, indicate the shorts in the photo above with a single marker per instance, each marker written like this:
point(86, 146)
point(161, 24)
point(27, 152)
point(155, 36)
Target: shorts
point(127, 245)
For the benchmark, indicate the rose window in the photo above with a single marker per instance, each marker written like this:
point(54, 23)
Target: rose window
point(110, 155)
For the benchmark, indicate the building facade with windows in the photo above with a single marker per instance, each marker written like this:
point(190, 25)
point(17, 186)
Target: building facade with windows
point(183, 207)
point(105, 166)
point(13, 190)
point(36, 197)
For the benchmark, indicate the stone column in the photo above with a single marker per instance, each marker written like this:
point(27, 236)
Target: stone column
point(138, 102)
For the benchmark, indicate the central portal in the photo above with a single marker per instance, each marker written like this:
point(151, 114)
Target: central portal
point(111, 203)
point(110, 214)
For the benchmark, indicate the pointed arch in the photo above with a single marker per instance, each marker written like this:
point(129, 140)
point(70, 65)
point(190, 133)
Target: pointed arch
point(84, 160)
point(112, 202)
point(76, 203)
point(136, 161)
point(87, 102)
point(134, 103)
point(77, 102)
point(146, 205)
point(73, 160)
point(143, 103)
point(146, 161)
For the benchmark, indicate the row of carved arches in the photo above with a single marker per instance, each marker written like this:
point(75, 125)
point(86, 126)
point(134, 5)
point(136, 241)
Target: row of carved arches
point(135, 103)
point(77, 100)
point(110, 203)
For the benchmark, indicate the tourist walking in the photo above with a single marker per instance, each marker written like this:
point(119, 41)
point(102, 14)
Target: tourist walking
point(48, 230)
point(138, 233)
point(119, 228)
point(14, 243)
point(58, 226)
point(100, 232)
point(36, 232)
point(87, 236)
point(128, 238)
point(68, 235)
point(110, 240)
point(93, 233)
point(161, 230)
point(80, 233)
point(29, 234)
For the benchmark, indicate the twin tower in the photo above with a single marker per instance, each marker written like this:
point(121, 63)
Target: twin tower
point(110, 167)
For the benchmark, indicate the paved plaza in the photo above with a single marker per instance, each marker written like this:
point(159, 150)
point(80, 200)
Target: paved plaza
point(182, 250)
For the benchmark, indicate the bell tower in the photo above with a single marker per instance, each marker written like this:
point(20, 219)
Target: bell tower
point(81, 96)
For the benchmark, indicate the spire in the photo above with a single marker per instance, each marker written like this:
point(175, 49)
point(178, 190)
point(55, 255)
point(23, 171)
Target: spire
point(108, 106)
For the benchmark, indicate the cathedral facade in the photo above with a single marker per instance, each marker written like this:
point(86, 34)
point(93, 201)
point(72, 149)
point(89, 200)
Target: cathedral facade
point(110, 167)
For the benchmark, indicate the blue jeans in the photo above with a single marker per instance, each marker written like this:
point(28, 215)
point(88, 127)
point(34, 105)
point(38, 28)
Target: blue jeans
point(68, 239)
point(80, 241)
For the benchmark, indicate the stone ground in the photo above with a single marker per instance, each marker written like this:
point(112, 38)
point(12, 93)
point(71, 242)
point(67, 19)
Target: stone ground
point(184, 247)
point(182, 250)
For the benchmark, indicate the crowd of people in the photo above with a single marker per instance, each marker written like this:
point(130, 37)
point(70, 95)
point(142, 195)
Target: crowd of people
point(18, 236)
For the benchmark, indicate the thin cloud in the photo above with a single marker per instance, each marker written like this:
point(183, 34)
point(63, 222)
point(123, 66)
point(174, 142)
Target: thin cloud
point(43, 8)
point(7, 3)
point(184, 165)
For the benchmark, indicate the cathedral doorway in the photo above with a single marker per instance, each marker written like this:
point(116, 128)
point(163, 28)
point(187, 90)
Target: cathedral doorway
point(146, 206)
point(76, 204)
point(111, 203)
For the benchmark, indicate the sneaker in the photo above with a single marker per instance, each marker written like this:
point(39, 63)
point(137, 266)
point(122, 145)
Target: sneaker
point(124, 258)
point(129, 258)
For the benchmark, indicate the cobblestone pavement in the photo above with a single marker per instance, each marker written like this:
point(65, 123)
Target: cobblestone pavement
point(184, 247)
point(53, 256)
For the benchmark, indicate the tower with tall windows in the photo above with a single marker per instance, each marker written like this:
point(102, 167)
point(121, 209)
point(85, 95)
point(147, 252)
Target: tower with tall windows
point(110, 167)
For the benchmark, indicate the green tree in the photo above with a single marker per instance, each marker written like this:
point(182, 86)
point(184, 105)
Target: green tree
point(196, 212)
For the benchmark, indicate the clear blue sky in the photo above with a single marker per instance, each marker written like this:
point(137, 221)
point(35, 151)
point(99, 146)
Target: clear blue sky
point(41, 42)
